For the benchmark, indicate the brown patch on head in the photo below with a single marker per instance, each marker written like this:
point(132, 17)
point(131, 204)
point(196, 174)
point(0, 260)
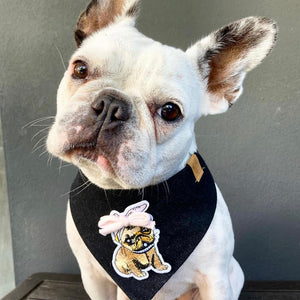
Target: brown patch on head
point(97, 15)
point(101, 13)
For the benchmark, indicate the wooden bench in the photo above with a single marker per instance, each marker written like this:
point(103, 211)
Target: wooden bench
point(50, 286)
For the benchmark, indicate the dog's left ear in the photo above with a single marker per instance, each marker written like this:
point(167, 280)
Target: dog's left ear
point(101, 13)
point(224, 57)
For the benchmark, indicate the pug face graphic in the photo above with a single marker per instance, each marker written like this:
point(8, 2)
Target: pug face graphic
point(136, 252)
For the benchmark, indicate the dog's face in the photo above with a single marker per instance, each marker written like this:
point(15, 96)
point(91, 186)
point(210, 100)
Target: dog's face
point(127, 105)
point(137, 239)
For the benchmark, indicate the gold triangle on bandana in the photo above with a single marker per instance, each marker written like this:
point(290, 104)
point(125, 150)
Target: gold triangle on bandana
point(195, 165)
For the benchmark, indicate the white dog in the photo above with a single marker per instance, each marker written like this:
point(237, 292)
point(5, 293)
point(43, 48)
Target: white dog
point(126, 110)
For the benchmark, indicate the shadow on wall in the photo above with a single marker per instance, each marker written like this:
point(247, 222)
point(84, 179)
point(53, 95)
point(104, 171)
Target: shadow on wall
point(7, 278)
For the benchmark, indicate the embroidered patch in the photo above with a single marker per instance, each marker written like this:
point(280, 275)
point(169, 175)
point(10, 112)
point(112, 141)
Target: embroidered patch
point(136, 238)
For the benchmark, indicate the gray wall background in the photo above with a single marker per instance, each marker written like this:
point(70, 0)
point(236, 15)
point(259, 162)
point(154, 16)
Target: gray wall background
point(253, 150)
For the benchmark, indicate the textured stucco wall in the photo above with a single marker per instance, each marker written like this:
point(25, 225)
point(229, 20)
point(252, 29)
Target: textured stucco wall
point(253, 150)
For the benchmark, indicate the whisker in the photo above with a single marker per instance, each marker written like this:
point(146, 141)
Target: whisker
point(107, 201)
point(142, 193)
point(43, 153)
point(32, 123)
point(84, 186)
point(90, 183)
point(45, 125)
point(66, 165)
point(49, 161)
point(39, 147)
point(59, 169)
point(61, 57)
point(40, 131)
point(166, 188)
point(36, 144)
point(75, 189)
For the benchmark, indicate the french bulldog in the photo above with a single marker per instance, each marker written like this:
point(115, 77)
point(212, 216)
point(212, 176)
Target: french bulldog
point(137, 251)
point(126, 110)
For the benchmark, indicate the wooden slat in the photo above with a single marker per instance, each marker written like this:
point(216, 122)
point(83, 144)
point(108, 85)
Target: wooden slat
point(34, 282)
point(272, 285)
point(60, 290)
point(50, 286)
point(263, 295)
point(271, 290)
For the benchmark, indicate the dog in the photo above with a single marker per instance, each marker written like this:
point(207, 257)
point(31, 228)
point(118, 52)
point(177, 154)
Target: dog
point(126, 110)
point(137, 250)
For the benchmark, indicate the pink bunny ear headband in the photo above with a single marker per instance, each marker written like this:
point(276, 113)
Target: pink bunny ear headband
point(113, 223)
point(134, 215)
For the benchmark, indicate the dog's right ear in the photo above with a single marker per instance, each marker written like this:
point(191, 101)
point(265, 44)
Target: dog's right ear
point(102, 13)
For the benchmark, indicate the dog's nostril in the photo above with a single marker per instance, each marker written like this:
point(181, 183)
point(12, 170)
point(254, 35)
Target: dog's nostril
point(98, 106)
point(111, 111)
point(119, 113)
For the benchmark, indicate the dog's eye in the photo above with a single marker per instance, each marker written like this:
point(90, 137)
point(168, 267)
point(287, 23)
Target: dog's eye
point(146, 230)
point(170, 112)
point(80, 70)
point(129, 241)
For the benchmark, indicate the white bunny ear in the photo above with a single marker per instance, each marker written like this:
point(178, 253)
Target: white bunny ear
point(114, 213)
point(138, 207)
point(102, 13)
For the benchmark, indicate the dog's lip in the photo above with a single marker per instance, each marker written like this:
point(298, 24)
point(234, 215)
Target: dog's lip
point(79, 146)
point(89, 151)
point(84, 149)
point(144, 248)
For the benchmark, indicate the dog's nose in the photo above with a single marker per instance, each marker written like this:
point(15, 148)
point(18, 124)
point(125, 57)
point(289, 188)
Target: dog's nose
point(111, 110)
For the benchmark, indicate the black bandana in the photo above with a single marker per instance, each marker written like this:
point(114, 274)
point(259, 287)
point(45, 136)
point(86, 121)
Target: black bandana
point(182, 209)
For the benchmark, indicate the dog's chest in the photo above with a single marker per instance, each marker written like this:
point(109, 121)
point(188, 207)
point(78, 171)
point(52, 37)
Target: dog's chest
point(182, 209)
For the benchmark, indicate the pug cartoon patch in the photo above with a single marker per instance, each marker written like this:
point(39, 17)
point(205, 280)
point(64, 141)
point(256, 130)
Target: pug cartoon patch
point(134, 233)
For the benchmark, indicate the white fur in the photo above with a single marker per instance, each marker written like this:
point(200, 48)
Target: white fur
point(147, 72)
point(127, 56)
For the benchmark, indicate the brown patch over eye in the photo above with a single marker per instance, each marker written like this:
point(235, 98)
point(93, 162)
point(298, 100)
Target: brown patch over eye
point(80, 70)
point(170, 112)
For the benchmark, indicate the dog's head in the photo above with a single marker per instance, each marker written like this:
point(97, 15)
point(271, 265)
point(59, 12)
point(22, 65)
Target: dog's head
point(137, 239)
point(127, 105)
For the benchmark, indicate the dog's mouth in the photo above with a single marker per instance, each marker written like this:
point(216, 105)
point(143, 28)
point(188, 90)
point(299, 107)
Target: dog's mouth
point(145, 248)
point(142, 243)
point(88, 152)
point(83, 150)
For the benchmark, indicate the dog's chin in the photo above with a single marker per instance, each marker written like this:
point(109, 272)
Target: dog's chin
point(96, 167)
point(91, 159)
point(102, 171)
